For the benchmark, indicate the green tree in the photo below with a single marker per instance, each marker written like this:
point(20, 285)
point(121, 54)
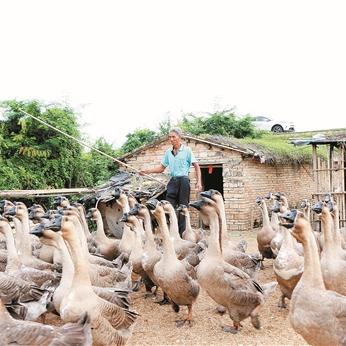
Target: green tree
point(97, 167)
point(32, 154)
point(224, 123)
point(138, 138)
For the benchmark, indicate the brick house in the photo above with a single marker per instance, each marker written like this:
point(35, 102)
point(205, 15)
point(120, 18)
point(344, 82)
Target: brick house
point(240, 173)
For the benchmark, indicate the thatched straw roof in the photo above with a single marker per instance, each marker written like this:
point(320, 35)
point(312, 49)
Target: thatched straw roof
point(140, 187)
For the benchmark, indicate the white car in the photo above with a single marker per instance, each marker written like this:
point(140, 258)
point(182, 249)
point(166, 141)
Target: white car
point(264, 123)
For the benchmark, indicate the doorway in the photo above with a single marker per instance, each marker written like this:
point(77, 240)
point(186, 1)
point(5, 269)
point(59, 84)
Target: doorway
point(212, 177)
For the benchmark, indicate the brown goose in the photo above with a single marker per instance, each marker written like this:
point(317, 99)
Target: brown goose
point(288, 268)
point(128, 236)
point(266, 234)
point(15, 266)
point(250, 264)
point(137, 252)
point(170, 273)
point(20, 212)
point(317, 314)
point(182, 247)
point(109, 248)
point(15, 332)
point(216, 196)
point(190, 233)
point(110, 323)
point(226, 284)
point(333, 261)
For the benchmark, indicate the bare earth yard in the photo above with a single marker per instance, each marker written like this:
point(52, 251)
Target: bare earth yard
point(156, 324)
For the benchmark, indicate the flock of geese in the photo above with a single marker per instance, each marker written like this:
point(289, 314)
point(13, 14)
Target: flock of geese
point(309, 265)
point(50, 261)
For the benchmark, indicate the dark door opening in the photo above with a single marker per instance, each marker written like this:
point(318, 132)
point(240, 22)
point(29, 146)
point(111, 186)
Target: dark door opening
point(212, 178)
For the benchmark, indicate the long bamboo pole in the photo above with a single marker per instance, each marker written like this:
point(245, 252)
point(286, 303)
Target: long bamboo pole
point(90, 147)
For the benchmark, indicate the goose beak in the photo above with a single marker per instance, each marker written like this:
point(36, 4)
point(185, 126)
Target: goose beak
point(135, 209)
point(116, 193)
point(89, 214)
point(258, 200)
point(268, 196)
point(289, 216)
point(152, 203)
point(197, 204)
point(57, 201)
point(303, 204)
point(181, 207)
point(277, 196)
point(206, 194)
point(38, 230)
point(125, 218)
point(55, 224)
point(10, 212)
point(317, 208)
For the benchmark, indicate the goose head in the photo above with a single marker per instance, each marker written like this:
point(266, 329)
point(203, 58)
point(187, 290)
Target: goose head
point(120, 197)
point(183, 209)
point(152, 203)
point(212, 194)
point(156, 207)
point(269, 196)
point(5, 205)
point(135, 209)
point(19, 210)
point(130, 220)
point(140, 210)
point(93, 214)
point(167, 206)
point(206, 207)
point(38, 230)
point(276, 206)
point(116, 193)
point(259, 201)
point(304, 204)
point(61, 201)
point(36, 212)
point(54, 224)
point(297, 223)
point(320, 205)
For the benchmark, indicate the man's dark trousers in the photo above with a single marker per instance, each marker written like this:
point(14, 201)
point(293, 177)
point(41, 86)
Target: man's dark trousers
point(178, 192)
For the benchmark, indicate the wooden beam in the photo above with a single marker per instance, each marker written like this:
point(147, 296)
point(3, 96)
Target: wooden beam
point(43, 193)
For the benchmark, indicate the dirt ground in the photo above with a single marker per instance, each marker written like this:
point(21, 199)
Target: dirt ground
point(156, 324)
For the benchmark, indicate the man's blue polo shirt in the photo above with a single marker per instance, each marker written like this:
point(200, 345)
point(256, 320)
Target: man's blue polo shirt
point(180, 164)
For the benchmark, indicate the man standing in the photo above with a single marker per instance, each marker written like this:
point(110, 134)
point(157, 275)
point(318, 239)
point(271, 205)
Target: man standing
point(179, 159)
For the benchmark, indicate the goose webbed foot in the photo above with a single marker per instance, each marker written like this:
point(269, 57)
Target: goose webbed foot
point(233, 330)
point(187, 320)
point(180, 323)
point(229, 329)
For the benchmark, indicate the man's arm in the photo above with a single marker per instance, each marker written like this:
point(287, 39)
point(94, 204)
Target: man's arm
point(157, 169)
point(198, 176)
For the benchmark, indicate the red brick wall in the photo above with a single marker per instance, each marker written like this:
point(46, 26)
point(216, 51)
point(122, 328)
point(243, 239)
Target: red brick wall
point(244, 178)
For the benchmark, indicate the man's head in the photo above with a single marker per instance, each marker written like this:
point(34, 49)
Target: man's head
point(175, 136)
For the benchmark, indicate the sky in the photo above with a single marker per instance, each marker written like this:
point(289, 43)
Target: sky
point(124, 65)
